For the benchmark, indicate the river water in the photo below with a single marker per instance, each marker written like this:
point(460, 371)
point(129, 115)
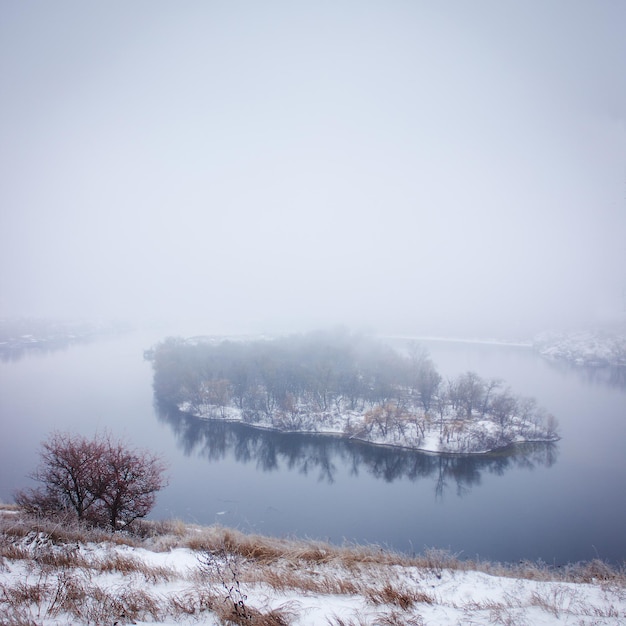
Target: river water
point(558, 503)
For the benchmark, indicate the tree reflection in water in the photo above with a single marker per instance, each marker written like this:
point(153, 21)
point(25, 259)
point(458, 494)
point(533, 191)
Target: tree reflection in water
point(306, 453)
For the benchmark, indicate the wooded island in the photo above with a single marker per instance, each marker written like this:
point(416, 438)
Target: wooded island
point(345, 384)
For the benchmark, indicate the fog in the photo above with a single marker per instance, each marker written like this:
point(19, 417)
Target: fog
point(410, 167)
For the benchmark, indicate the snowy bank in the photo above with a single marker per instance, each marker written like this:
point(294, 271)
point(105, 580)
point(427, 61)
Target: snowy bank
point(447, 434)
point(53, 574)
point(589, 348)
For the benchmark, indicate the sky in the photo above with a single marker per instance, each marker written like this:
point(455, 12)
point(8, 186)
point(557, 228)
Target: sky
point(409, 167)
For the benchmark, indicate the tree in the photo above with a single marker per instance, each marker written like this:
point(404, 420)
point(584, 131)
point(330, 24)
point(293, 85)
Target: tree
point(216, 393)
point(101, 480)
point(386, 417)
point(490, 386)
point(423, 376)
point(68, 471)
point(427, 383)
point(470, 389)
point(129, 482)
point(503, 407)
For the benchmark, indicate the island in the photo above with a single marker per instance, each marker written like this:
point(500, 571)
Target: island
point(590, 347)
point(344, 384)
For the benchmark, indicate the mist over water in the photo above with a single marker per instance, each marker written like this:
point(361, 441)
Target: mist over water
point(559, 502)
point(246, 167)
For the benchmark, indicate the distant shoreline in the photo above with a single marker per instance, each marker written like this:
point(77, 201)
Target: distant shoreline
point(487, 342)
point(581, 348)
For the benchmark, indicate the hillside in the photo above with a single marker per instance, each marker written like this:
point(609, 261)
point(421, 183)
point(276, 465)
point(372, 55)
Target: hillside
point(170, 573)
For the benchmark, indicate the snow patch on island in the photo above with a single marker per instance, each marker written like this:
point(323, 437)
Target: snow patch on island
point(392, 425)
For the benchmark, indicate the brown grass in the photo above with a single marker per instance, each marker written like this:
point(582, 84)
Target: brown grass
point(193, 601)
point(400, 619)
point(165, 535)
point(127, 565)
point(74, 596)
point(310, 582)
point(281, 616)
point(335, 620)
point(59, 575)
point(398, 596)
point(389, 619)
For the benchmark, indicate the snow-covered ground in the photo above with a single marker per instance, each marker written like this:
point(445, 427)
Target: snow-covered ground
point(382, 426)
point(192, 575)
point(596, 348)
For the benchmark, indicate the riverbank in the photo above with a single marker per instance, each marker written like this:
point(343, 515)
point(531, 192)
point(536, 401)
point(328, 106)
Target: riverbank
point(174, 573)
point(599, 348)
point(384, 427)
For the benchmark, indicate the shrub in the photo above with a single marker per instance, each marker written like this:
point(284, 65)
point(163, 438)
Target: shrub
point(101, 480)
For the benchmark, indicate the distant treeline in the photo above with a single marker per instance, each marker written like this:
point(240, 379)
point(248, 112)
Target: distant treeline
point(299, 381)
point(261, 375)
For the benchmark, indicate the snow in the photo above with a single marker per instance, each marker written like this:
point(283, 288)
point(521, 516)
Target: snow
point(451, 434)
point(446, 597)
point(596, 348)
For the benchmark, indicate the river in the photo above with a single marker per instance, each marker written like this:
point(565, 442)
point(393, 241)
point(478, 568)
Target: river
point(557, 503)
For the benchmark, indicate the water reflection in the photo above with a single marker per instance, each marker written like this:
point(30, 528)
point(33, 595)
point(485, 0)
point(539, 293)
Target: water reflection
point(324, 455)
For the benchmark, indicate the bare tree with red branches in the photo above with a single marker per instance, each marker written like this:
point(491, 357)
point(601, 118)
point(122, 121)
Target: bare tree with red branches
point(102, 480)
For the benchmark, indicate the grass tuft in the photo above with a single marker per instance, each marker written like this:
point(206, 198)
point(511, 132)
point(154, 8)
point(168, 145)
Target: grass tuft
point(398, 596)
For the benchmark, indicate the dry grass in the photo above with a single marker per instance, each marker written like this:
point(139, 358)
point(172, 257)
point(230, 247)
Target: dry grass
point(166, 535)
point(193, 601)
point(128, 565)
point(388, 619)
point(509, 611)
point(281, 616)
point(335, 620)
point(556, 601)
point(62, 579)
point(312, 583)
point(49, 595)
point(61, 530)
point(399, 596)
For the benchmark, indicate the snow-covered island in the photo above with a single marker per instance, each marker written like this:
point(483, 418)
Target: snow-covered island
point(345, 385)
point(605, 347)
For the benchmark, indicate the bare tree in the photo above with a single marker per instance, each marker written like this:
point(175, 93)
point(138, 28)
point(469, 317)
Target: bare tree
point(552, 426)
point(442, 400)
point(470, 389)
point(130, 479)
point(217, 392)
point(491, 385)
point(386, 417)
point(503, 407)
point(100, 479)
point(69, 475)
point(427, 383)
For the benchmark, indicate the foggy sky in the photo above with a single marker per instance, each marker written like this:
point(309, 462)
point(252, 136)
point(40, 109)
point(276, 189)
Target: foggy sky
point(413, 167)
